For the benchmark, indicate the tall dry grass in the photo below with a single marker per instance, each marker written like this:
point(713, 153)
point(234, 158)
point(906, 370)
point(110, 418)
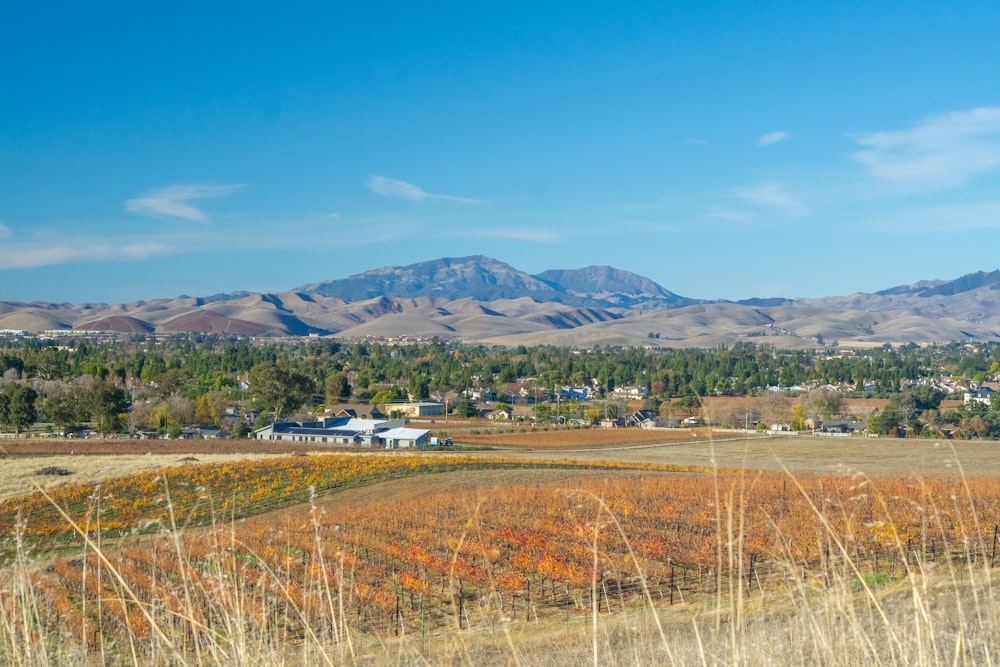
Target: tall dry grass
point(935, 607)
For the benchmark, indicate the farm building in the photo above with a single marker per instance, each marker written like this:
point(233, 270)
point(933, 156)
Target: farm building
point(344, 431)
point(419, 409)
point(401, 438)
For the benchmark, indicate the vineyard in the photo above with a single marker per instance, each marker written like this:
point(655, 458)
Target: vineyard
point(195, 494)
point(324, 573)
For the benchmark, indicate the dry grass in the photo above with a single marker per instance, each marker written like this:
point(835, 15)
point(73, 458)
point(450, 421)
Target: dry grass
point(22, 473)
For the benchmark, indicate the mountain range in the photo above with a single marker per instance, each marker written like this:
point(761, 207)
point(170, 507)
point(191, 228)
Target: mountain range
point(479, 299)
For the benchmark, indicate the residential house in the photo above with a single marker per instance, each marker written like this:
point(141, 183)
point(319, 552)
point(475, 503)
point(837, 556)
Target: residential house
point(500, 414)
point(630, 392)
point(983, 394)
point(842, 426)
point(355, 410)
point(642, 418)
point(205, 431)
point(576, 394)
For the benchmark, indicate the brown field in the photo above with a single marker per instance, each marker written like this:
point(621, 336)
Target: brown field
point(800, 454)
point(577, 438)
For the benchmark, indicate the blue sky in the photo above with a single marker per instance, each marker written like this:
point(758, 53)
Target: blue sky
point(723, 149)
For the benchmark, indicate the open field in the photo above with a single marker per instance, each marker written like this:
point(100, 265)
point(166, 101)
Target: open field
point(577, 438)
point(92, 460)
point(797, 454)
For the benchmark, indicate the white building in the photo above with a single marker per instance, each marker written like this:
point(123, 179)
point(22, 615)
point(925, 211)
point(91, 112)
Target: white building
point(389, 433)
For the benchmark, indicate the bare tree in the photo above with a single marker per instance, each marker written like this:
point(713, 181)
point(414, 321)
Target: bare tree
point(722, 412)
point(774, 408)
point(824, 402)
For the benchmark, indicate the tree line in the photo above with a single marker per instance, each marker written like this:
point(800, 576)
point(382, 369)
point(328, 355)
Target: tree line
point(162, 382)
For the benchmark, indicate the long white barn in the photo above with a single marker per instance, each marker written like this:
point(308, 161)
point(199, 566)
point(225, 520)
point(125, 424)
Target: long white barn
point(388, 433)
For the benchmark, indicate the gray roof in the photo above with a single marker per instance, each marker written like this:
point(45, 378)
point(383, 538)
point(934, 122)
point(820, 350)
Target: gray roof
point(302, 430)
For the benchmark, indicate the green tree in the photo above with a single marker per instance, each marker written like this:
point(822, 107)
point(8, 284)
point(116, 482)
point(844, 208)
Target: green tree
point(465, 407)
point(108, 404)
point(172, 382)
point(420, 387)
point(926, 397)
point(63, 408)
point(382, 398)
point(17, 406)
point(543, 412)
point(338, 388)
point(278, 389)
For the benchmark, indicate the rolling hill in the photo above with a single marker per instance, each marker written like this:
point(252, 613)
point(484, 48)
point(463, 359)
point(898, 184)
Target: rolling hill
point(479, 299)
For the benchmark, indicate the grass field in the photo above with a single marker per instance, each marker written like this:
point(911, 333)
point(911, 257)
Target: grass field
point(613, 549)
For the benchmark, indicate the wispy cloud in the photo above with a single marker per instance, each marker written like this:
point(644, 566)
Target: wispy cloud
point(773, 138)
point(5, 232)
point(173, 201)
point(943, 150)
point(398, 189)
point(772, 195)
point(30, 255)
point(728, 214)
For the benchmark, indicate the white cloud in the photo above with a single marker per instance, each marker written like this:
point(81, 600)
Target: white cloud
point(397, 189)
point(773, 138)
point(942, 151)
point(172, 202)
point(5, 232)
point(771, 195)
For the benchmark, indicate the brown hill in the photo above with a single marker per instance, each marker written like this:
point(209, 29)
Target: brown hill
point(208, 321)
point(118, 323)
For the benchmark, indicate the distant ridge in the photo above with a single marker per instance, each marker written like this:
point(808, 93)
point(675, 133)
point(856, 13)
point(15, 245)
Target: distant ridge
point(478, 299)
point(966, 283)
point(486, 279)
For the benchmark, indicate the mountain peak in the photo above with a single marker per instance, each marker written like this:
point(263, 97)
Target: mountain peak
point(483, 278)
point(613, 286)
point(966, 283)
